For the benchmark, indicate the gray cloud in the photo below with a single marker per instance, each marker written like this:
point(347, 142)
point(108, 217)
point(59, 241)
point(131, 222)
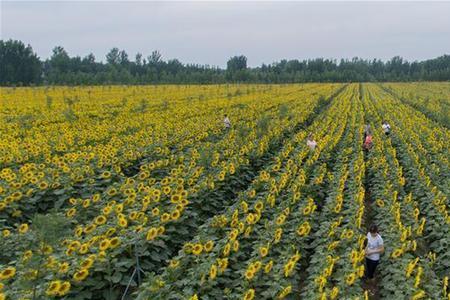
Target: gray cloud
point(211, 32)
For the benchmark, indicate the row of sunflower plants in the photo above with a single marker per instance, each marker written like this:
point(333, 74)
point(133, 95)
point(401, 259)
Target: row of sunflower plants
point(336, 263)
point(282, 247)
point(430, 139)
point(430, 98)
point(410, 265)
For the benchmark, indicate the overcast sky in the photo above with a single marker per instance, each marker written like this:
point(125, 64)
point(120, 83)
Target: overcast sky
point(211, 32)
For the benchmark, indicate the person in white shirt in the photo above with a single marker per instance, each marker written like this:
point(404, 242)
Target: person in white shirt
point(310, 142)
point(374, 248)
point(226, 122)
point(386, 128)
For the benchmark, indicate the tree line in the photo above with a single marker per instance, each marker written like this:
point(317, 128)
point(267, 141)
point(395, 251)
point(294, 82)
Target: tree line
point(19, 65)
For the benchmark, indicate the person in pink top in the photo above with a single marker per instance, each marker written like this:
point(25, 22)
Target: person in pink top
point(368, 141)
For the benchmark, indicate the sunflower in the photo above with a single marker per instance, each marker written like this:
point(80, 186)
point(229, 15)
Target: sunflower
point(161, 230)
point(307, 210)
point(221, 176)
point(165, 217)
point(174, 263)
point(7, 273)
point(248, 230)
point(175, 198)
point(223, 263)
point(47, 249)
point(43, 185)
point(166, 190)
point(63, 267)
point(249, 274)
point(96, 198)
point(350, 279)
point(80, 275)
point(23, 228)
point(278, 233)
point(151, 234)
point(361, 270)
point(27, 255)
point(249, 295)
point(286, 291)
point(175, 215)
point(334, 293)
point(119, 208)
point(64, 288)
point(213, 272)
point(123, 222)
point(397, 252)
point(107, 210)
point(380, 203)
point(102, 255)
point(87, 263)
point(418, 295)
point(114, 242)
point(155, 212)
point(349, 234)
point(197, 249)
point(86, 203)
point(112, 192)
point(259, 206)
point(263, 251)
point(281, 219)
point(250, 219)
point(53, 288)
point(226, 249)
point(257, 265)
point(90, 228)
point(71, 212)
point(100, 220)
point(268, 267)
point(235, 246)
point(110, 231)
point(208, 246)
point(233, 234)
point(288, 268)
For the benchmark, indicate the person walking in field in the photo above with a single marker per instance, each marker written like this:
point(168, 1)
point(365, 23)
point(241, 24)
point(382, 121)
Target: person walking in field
point(226, 122)
point(374, 248)
point(310, 142)
point(366, 131)
point(367, 141)
point(386, 128)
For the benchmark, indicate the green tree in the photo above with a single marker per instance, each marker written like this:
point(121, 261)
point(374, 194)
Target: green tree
point(18, 64)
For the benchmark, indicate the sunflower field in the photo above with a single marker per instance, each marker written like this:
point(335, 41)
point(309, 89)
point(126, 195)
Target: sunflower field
point(141, 192)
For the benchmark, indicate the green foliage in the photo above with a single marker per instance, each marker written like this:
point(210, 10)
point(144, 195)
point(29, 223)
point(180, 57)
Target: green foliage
point(20, 66)
point(70, 115)
point(206, 157)
point(26, 121)
point(46, 233)
point(49, 102)
point(262, 125)
point(283, 111)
